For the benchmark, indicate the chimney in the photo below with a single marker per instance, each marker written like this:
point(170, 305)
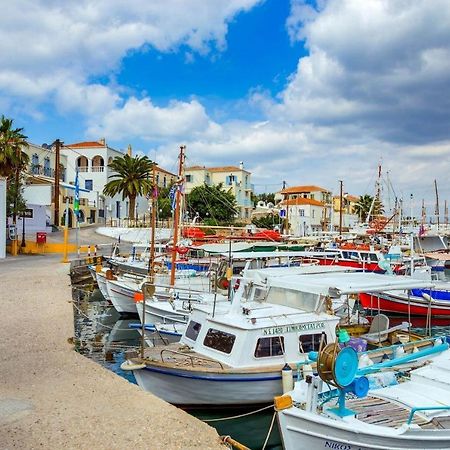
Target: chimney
point(129, 150)
point(241, 165)
point(102, 141)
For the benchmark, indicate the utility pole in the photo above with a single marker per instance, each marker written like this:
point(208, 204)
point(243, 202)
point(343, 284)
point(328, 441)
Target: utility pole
point(56, 199)
point(287, 210)
point(437, 203)
point(445, 212)
point(341, 199)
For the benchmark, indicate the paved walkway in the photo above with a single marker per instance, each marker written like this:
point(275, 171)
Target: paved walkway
point(52, 397)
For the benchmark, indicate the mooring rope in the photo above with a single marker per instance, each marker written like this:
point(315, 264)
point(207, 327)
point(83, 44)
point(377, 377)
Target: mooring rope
point(270, 431)
point(238, 416)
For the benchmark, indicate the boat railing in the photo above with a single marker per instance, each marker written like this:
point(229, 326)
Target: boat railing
point(425, 408)
point(191, 358)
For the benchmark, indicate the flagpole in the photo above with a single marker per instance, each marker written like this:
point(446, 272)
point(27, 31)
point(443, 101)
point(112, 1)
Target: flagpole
point(76, 209)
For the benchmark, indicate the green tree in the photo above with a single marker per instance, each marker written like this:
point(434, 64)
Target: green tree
point(13, 160)
point(132, 178)
point(213, 204)
point(268, 221)
point(362, 207)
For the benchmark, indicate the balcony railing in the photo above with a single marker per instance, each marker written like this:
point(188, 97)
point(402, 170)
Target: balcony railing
point(83, 169)
point(37, 169)
point(98, 168)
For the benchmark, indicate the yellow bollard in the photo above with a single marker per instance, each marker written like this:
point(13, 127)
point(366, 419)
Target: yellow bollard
point(66, 242)
point(14, 247)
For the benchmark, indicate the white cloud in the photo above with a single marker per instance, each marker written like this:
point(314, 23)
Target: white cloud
point(47, 46)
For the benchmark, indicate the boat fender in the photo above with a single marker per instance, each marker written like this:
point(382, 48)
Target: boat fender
point(126, 365)
point(287, 378)
point(307, 370)
point(364, 361)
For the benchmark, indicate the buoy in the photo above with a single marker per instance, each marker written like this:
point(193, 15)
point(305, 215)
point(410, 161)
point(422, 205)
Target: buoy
point(287, 378)
point(126, 365)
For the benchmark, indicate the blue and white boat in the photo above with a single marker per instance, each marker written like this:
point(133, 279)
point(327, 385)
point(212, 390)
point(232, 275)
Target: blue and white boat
point(234, 354)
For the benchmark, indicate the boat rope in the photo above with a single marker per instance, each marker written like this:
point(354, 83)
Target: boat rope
point(270, 431)
point(238, 416)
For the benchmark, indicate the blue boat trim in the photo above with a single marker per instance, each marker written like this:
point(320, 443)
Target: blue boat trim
point(214, 378)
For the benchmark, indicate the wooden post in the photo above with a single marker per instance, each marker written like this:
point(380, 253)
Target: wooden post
point(177, 215)
point(56, 199)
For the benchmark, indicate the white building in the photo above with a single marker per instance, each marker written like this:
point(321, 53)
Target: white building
point(308, 208)
point(235, 179)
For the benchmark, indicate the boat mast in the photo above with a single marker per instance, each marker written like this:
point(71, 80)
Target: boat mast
point(437, 203)
point(177, 214)
point(377, 194)
point(153, 225)
point(341, 198)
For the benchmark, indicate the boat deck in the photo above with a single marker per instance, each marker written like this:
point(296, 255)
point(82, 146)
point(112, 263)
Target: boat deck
point(376, 411)
point(177, 355)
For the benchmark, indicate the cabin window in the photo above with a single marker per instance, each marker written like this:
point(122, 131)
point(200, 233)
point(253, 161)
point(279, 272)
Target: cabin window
point(193, 330)
point(310, 342)
point(219, 340)
point(260, 295)
point(269, 346)
point(373, 257)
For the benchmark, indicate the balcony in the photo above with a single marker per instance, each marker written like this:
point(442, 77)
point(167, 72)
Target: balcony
point(83, 169)
point(97, 168)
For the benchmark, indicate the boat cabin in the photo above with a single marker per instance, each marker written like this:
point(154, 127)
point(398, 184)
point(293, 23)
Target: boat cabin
point(260, 329)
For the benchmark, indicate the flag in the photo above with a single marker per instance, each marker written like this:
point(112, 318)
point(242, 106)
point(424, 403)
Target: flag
point(421, 230)
point(76, 201)
point(172, 196)
point(155, 191)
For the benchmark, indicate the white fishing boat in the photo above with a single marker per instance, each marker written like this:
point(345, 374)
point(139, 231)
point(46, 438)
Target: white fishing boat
point(411, 415)
point(234, 355)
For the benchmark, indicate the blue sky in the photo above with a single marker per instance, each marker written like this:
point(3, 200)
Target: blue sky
point(307, 92)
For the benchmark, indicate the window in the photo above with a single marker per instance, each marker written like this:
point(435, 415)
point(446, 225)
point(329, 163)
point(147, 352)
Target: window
point(117, 209)
point(260, 294)
point(189, 178)
point(219, 340)
point(47, 169)
point(310, 342)
point(313, 213)
point(88, 184)
point(301, 212)
point(373, 257)
point(270, 346)
point(193, 330)
point(231, 179)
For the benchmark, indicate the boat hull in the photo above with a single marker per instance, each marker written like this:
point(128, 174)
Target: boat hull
point(301, 429)
point(401, 305)
point(101, 282)
point(121, 297)
point(197, 388)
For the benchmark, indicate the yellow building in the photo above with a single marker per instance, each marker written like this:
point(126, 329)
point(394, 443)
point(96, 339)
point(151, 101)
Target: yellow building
point(233, 178)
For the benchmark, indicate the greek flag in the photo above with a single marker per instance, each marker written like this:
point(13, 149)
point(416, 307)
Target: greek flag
point(172, 196)
point(76, 201)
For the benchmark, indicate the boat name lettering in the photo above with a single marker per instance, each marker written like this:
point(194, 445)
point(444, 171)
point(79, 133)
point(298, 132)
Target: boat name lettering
point(293, 328)
point(337, 446)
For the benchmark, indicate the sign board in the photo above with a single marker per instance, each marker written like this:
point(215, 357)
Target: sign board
point(12, 232)
point(27, 214)
point(300, 327)
point(282, 213)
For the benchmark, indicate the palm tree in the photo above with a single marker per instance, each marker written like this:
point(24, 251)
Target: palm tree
point(12, 141)
point(13, 160)
point(133, 178)
point(364, 204)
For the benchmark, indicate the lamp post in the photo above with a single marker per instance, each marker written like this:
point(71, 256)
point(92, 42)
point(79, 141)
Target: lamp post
point(23, 244)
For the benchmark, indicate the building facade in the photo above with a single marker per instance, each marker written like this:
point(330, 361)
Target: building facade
point(307, 208)
point(235, 179)
point(349, 218)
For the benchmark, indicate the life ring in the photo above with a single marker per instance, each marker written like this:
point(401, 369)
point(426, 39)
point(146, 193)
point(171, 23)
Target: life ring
point(182, 250)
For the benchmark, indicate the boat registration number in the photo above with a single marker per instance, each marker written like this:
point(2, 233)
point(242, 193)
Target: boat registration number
point(310, 326)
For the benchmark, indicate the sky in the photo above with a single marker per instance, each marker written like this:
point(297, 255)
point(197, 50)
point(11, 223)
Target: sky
point(301, 91)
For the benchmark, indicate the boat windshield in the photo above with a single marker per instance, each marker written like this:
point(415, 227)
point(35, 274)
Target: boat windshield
point(305, 301)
